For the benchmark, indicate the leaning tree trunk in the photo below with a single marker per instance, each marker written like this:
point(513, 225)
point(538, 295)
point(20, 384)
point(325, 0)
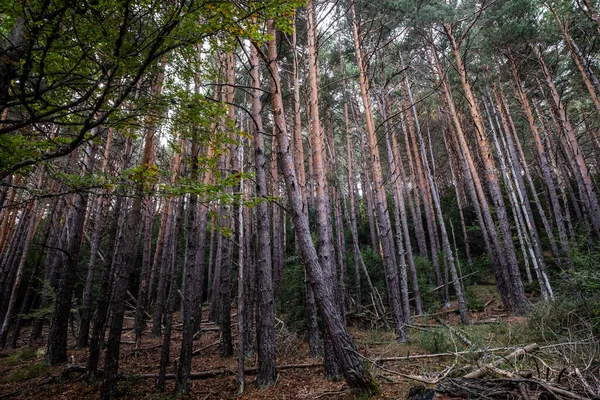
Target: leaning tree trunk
point(515, 284)
point(323, 209)
point(591, 199)
point(397, 196)
point(351, 365)
point(474, 185)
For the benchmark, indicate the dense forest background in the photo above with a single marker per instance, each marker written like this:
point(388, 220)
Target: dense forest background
point(325, 166)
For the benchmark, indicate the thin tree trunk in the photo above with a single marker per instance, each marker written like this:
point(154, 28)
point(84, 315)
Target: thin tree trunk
point(101, 214)
point(165, 266)
point(462, 301)
point(265, 326)
point(123, 267)
point(387, 241)
point(584, 70)
point(323, 209)
point(32, 211)
point(398, 198)
point(516, 187)
point(591, 199)
point(476, 191)
point(173, 273)
point(515, 284)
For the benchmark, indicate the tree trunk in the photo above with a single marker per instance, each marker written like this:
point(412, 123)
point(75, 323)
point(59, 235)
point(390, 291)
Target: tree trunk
point(101, 213)
point(124, 265)
point(32, 211)
point(477, 194)
point(265, 327)
point(515, 284)
point(323, 210)
point(387, 240)
point(173, 273)
point(56, 350)
point(462, 301)
point(398, 204)
point(351, 365)
point(591, 200)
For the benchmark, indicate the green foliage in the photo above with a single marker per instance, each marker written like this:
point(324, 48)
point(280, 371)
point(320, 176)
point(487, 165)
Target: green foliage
point(474, 303)
point(20, 356)
point(85, 66)
point(26, 372)
point(292, 294)
point(575, 312)
point(429, 296)
point(435, 341)
point(374, 264)
point(50, 301)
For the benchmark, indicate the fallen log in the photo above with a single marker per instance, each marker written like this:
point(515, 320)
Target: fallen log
point(479, 372)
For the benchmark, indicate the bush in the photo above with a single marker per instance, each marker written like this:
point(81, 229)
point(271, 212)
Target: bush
point(575, 311)
point(474, 303)
point(26, 372)
point(21, 356)
point(435, 341)
point(429, 296)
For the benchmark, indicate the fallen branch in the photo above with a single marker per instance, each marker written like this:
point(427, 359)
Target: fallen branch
point(449, 311)
point(479, 372)
point(417, 356)
point(200, 350)
point(417, 378)
point(456, 331)
point(195, 375)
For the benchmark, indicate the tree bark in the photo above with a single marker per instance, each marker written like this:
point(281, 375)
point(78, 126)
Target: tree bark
point(351, 365)
point(515, 284)
point(265, 327)
point(387, 240)
point(56, 350)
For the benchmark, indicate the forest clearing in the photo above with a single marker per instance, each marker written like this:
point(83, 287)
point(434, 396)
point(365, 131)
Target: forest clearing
point(300, 199)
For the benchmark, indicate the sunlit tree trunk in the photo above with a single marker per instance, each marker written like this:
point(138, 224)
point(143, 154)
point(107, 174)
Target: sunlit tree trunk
point(475, 188)
point(322, 206)
point(387, 240)
point(515, 284)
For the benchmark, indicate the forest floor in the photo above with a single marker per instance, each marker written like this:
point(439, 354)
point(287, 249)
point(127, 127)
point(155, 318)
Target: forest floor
point(24, 376)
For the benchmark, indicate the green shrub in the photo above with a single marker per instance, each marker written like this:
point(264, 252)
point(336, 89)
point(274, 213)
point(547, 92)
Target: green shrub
point(435, 341)
point(575, 311)
point(474, 303)
point(429, 296)
point(20, 356)
point(532, 288)
point(26, 372)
